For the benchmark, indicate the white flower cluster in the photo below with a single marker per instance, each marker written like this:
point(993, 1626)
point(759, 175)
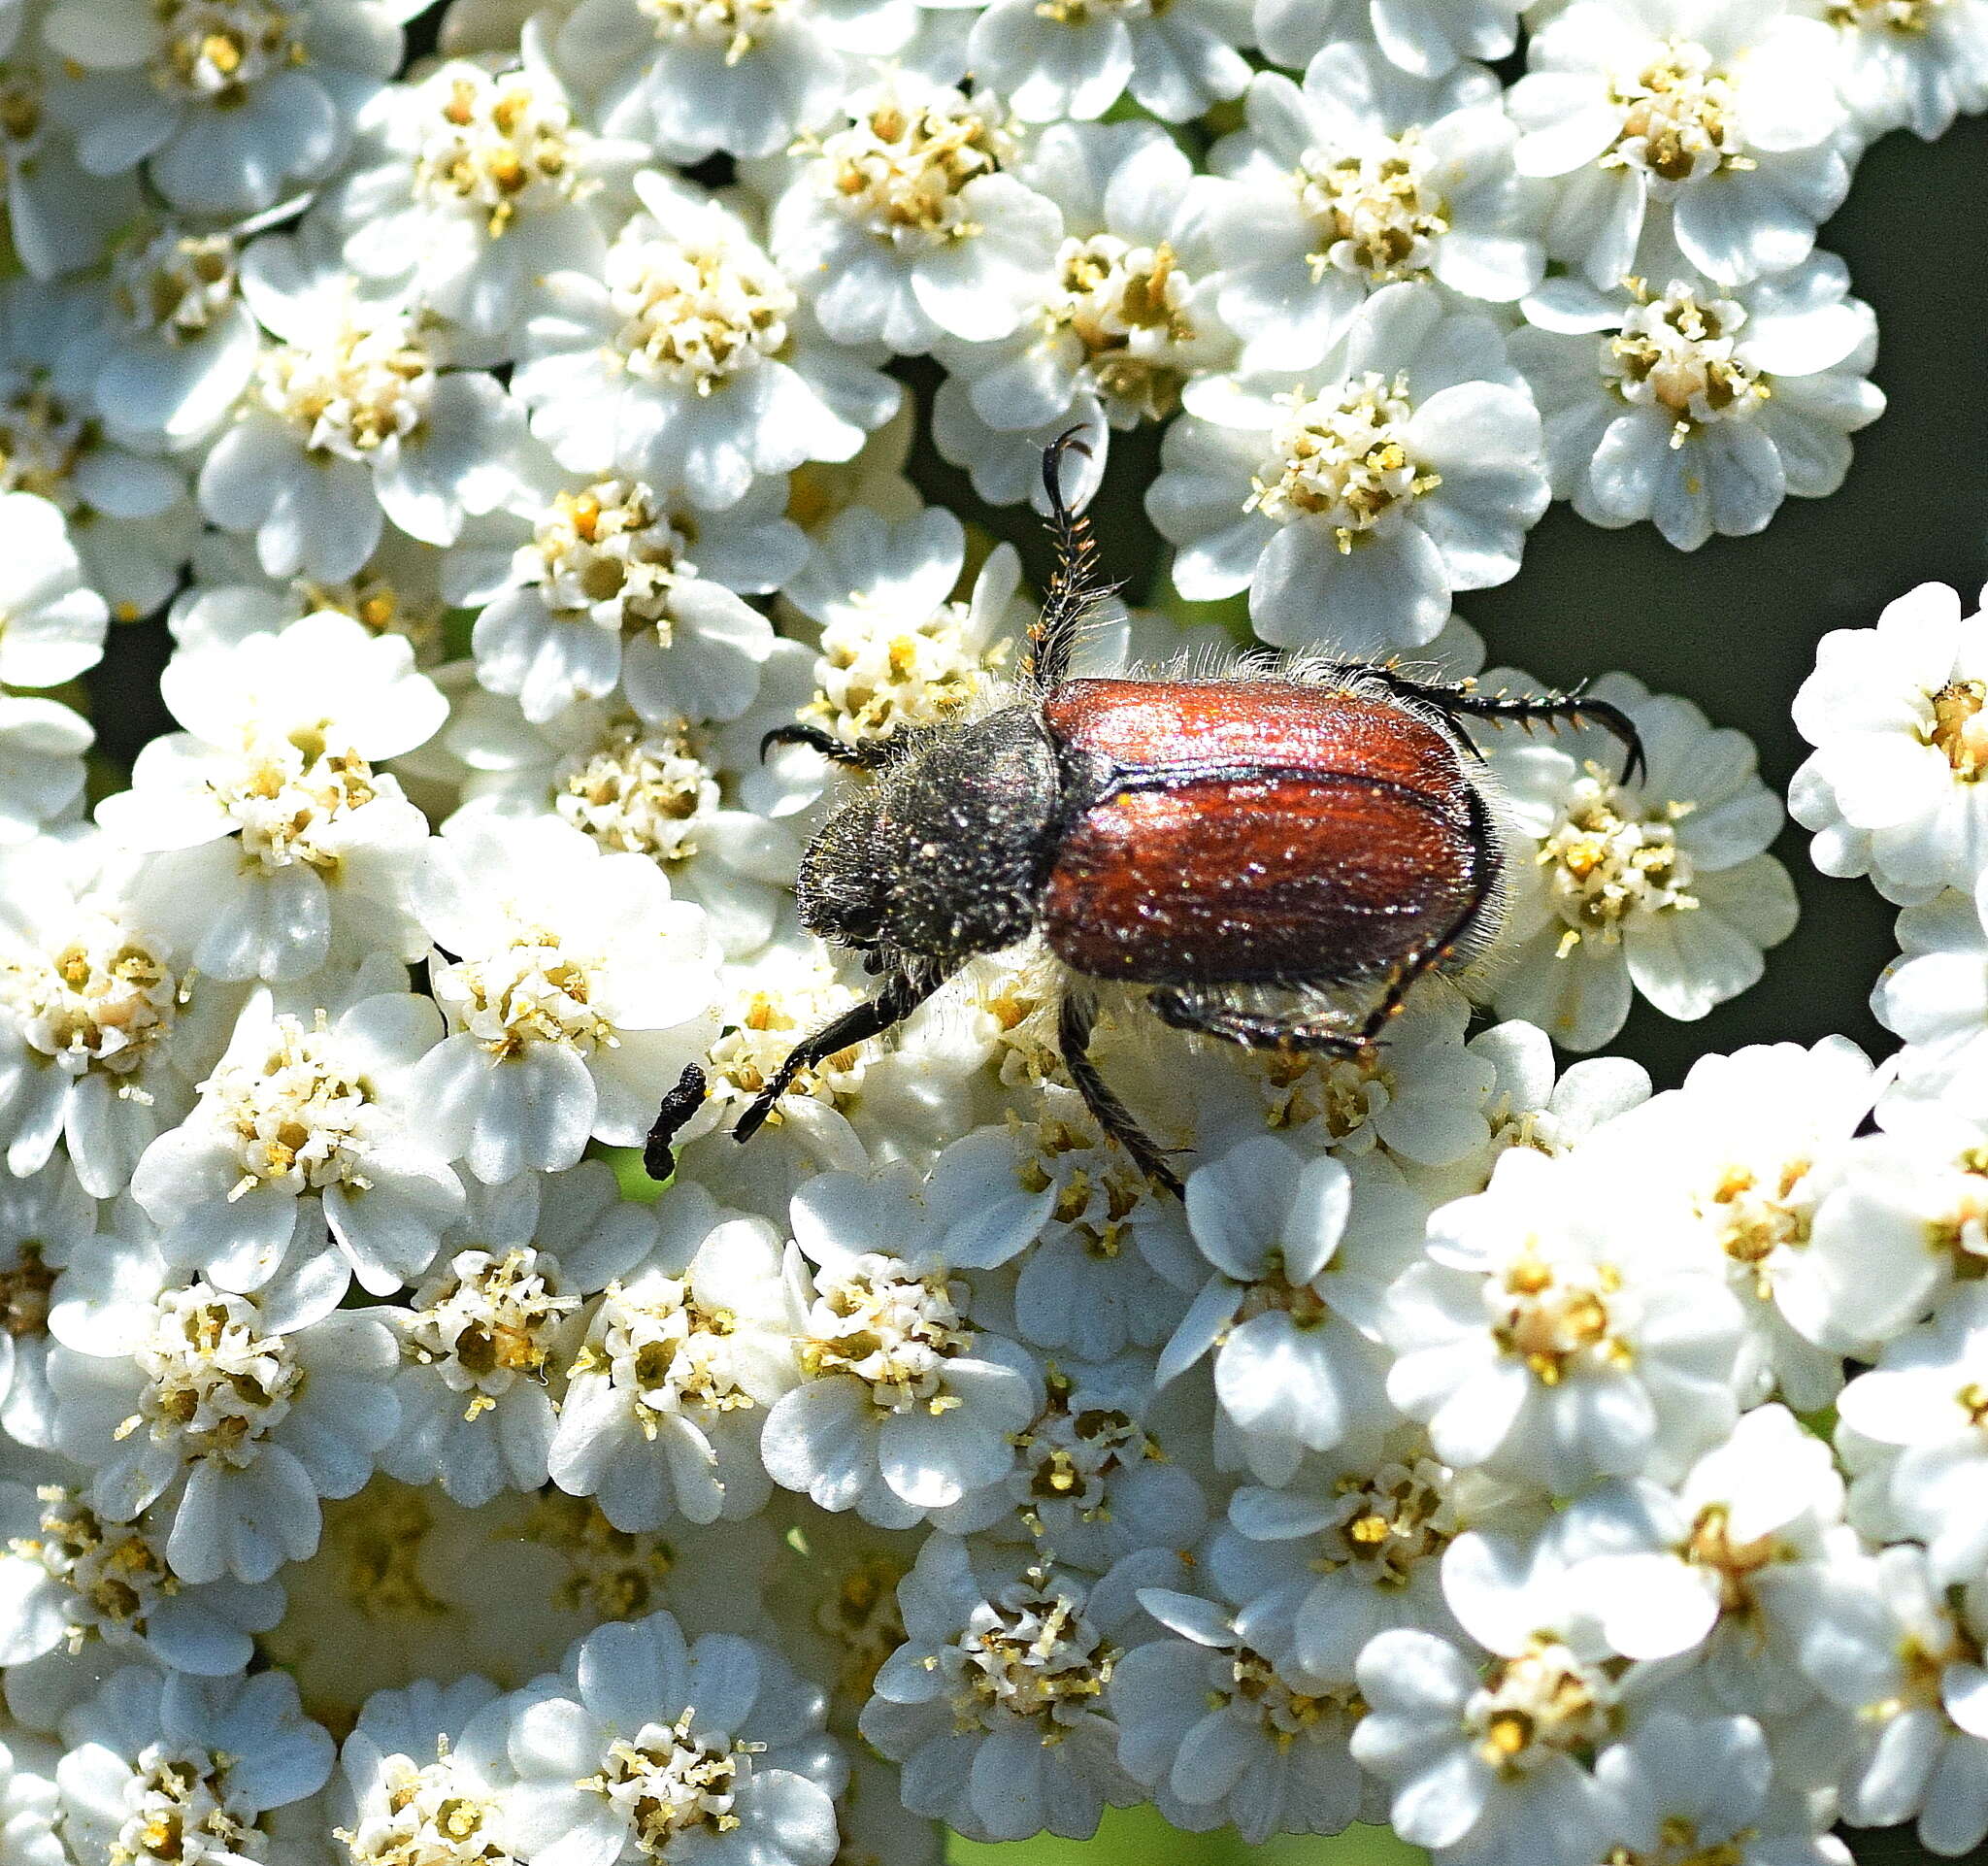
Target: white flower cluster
point(513, 439)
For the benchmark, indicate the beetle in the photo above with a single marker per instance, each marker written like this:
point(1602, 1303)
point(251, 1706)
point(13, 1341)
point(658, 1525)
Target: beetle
point(1239, 850)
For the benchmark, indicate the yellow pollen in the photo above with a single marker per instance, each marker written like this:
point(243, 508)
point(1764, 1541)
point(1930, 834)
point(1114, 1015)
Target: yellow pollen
point(1959, 730)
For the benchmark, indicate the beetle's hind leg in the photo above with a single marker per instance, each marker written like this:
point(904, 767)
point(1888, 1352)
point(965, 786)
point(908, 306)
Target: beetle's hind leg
point(1209, 1015)
point(1552, 709)
point(1074, 1037)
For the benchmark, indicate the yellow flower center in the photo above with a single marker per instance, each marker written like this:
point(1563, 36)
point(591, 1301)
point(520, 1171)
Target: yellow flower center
point(1959, 728)
point(1375, 211)
point(1341, 457)
point(1678, 117)
point(899, 168)
point(1608, 860)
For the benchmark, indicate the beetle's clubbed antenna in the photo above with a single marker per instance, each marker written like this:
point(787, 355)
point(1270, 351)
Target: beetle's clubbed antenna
point(1076, 589)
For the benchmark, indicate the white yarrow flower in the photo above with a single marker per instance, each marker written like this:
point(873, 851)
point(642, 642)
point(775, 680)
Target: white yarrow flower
point(276, 843)
point(470, 186)
point(602, 585)
point(233, 1414)
point(70, 1580)
point(1893, 1196)
point(104, 1028)
point(55, 622)
point(226, 102)
point(1905, 63)
point(425, 1778)
point(355, 418)
point(1427, 38)
point(1351, 1547)
point(1902, 1657)
point(1554, 1337)
point(995, 1703)
point(1175, 57)
point(895, 651)
point(1725, 1568)
point(46, 1221)
point(169, 1768)
point(1353, 500)
point(906, 223)
point(1360, 178)
point(61, 213)
point(1488, 1768)
point(1124, 315)
point(1292, 1372)
point(1934, 995)
point(905, 1405)
point(1750, 1147)
point(1892, 711)
point(322, 1104)
point(684, 1353)
point(741, 75)
point(1094, 1484)
point(648, 1746)
point(179, 344)
point(1699, 407)
point(1221, 1734)
point(489, 1330)
point(574, 990)
point(1726, 115)
point(1923, 1404)
point(1703, 1788)
point(655, 790)
point(688, 359)
point(130, 518)
point(1659, 885)
point(42, 772)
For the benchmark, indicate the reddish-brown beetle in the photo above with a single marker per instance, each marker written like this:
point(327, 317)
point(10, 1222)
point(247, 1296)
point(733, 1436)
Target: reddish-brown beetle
point(1242, 851)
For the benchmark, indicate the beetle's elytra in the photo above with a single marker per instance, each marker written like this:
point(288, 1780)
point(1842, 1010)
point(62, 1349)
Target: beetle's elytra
point(1237, 851)
point(1238, 832)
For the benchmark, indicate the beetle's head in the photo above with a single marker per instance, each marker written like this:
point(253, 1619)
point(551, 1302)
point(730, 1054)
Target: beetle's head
point(843, 883)
point(941, 859)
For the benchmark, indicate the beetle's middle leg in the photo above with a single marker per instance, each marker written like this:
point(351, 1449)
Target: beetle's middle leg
point(1207, 1015)
point(1074, 1037)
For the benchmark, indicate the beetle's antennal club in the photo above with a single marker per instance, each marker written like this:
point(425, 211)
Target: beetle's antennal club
point(1075, 589)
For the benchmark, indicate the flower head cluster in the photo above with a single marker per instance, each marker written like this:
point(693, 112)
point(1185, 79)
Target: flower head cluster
point(521, 445)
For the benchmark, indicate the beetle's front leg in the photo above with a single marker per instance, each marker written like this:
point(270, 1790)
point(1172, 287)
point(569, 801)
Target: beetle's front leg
point(659, 1150)
point(900, 995)
point(874, 755)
